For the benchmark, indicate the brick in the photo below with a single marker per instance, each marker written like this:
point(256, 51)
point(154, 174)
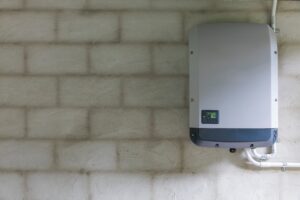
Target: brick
point(11, 4)
point(289, 124)
point(57, 123)
point(56, 4)
point(11, 186)
point(193, 19)
point(12, 123)
point(119, 4)
point(216, 160)
point(152, 26)
point(288, 6)
point(87, 155)
point(9, 65)
point(191, 151)
point(120, 123)
point(59, 186)
point(154, 92)
point(290, 186)
point(266, 185)
point(25, 155)
point(90, 91)
point(26, 26)
point(135, 186)
point(187, 4)
point(171, 123)
point(27, 91)
point(121, 59)
point(171, 59)
point(57, 59)
point(142, 155)
point(289, 96)
point(287, 151)
point(289, 59)
point(288, 24)
point(88, 27)
point(184, 186)
point(243, 4)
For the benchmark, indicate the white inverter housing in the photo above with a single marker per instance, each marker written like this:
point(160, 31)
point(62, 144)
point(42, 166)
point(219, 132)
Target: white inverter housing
point(233, 85)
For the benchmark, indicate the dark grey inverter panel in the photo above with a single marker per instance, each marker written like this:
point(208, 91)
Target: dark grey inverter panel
point(233, 85)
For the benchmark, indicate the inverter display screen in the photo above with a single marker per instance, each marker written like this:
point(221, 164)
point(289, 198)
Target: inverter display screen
point(210, 117)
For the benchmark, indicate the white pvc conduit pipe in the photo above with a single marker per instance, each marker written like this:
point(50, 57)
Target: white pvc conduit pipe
point(273, 17)
point(268, 164)
point(264, 157)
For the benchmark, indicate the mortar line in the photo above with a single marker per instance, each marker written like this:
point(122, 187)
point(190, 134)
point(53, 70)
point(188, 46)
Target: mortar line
point(120, 19)
point(152, 122)
point(80, 75)
point(26, 123)
point(84, 171)
point(89, 123)
point(122, 93)
point(89, 186)
point(118, 158)
point(152, 63)
point(25, 8)
point(55, 156)
point(25, 184)
point(183, 25)
point(24, 4)
point(58, 103)
point(98, 42)
point(181, 147)
point(88, 59)
point(186, 93)
point(152, 177)
point(56, 21)
point(25, 60)
point(87, 4)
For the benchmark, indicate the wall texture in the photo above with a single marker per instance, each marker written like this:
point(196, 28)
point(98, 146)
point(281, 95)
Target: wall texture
point(93, 97)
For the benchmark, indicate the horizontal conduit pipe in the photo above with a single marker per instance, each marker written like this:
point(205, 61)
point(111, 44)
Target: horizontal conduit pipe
point(268, 164)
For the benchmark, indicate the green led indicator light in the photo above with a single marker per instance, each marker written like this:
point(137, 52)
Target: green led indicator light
point(213, 115)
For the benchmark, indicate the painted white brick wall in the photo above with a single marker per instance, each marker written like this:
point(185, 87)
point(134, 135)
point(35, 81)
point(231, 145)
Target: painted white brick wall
point(170, 59)
point(121, 123)
point(57, 123)
point(154, 92)
point(121, 59)
point(27, 91)
point(90, 91)
point(88, 27)
point(111, 186)
point(27, 26)
point(57, 59)
point(119, 4)
point(87, 155)
point(55, 4)
point(60, 186)
point(12, 186)
point(9, 65)
point(12, 123)
point(171, 123)
point(157, 155)
point(181, 186)
point(11, 4)
point(151, 26)
point(94, 102)
point(26, 155)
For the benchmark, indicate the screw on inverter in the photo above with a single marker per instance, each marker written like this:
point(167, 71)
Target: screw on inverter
point(232, 150)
